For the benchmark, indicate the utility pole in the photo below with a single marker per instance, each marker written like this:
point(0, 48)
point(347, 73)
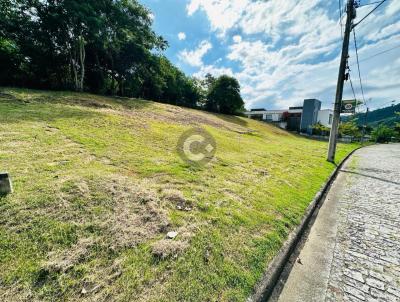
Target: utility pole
point(351, 15)
point(365, 124)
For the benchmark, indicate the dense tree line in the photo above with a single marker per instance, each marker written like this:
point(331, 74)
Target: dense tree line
point(385, 115)
point(101, 46)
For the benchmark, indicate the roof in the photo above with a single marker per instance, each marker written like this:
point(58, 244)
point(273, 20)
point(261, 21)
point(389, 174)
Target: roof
point(265, 111)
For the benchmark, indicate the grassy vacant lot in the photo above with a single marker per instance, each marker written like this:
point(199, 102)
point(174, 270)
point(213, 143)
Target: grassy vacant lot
point(98, 184)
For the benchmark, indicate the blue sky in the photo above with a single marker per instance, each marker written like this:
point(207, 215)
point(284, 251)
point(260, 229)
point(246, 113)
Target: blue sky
point(282, 51)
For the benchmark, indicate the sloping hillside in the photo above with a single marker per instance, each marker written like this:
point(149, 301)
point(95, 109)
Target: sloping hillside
point(385, 116)
point(98, 185)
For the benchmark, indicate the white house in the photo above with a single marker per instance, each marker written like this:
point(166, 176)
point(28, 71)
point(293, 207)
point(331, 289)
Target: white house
point(265, 115)
point(271, 116)
point(291, 119)
point(325, 117)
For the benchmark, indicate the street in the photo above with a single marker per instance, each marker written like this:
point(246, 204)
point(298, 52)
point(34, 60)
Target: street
point(353, 249)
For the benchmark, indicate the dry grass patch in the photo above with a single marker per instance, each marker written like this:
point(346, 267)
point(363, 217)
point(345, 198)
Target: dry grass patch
point(167, 248)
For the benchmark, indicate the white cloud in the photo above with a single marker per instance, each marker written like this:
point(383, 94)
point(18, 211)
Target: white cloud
point(289, 50)
point(223, 14)
point(195, 57)
point(237, 39)
point(181, 36)
point(215, 71)
point(392, 8)
point(381, 33)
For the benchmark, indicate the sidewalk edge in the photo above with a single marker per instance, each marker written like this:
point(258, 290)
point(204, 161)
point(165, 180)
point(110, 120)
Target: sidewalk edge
point(266, 285)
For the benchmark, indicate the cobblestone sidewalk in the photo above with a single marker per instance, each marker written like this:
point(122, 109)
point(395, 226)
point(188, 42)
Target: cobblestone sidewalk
point(353, 250)
point(366, 260)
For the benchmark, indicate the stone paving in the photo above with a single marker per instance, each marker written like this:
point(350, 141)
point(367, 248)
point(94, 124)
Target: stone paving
point(352, 251)
point(366, 258)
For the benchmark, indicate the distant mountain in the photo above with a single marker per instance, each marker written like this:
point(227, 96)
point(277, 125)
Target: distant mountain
point(385, 116)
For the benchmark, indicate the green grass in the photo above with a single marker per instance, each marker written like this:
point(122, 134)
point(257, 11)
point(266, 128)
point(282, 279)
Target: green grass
point(98, 184)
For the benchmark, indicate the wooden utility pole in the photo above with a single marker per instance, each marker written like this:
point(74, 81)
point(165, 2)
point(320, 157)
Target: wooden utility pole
point(351, 14)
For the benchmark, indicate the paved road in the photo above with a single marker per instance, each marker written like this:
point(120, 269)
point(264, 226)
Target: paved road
point(353, 249)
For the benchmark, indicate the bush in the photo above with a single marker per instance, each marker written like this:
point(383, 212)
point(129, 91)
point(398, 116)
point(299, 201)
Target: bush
point(319, 129)
point(350, 128)
point(383, 134)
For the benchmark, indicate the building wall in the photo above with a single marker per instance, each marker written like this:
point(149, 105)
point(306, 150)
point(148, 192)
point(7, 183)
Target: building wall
point(325, 117)
point(309, 117)
point(266, 115)
point(271, 116)
point(300, 119)
point(293, 122)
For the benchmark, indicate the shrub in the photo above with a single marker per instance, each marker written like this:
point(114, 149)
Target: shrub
point(383, 134)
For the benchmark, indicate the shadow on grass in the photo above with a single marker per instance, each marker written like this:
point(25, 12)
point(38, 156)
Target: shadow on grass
point(26, 96)
point(17, 104)
point(15, 112)
point(232, 119)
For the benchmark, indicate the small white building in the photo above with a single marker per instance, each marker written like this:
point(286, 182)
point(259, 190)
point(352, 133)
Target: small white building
point(290, 119)
point(325, 117)
point(265, 115)
point(270, 116)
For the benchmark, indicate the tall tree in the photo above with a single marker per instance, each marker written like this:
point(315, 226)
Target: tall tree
point(103, 46)
point(224, 96)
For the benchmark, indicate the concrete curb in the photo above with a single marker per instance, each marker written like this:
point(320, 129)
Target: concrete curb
point(265, 287)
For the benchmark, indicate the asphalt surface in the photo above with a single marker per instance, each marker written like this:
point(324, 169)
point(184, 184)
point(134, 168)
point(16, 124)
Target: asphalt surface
point(352, 252)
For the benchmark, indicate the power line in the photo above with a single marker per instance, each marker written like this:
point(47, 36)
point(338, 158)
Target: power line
point(366, 4)
point(376, 7)
point(352, 87)
point(358, 67)
point(391, 102)
point(380, 53)
point(383, 100)
point(340, 18)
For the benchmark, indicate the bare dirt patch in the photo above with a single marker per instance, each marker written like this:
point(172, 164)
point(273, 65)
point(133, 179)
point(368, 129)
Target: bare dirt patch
point(137, 215)
point(182, 116)
point(88, 103)
point(176, 199)
point(127, 212)
point(62, 262)
point(166, 248)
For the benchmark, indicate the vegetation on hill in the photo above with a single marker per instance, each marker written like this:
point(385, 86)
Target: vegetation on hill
point(98, 185)
point(224, 96)
point(385, 116)
point(102, 46)
point(383, 134)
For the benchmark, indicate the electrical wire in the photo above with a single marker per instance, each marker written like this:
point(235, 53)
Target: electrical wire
point(366, 4)
point(380, 53)
point(340, 14)
point(365, 17)
point(352, 87)
point(358, 67)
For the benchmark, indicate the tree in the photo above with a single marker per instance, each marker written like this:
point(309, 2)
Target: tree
point(397, 126)
point(76, 44)
point(102, 46)
point(319, 129)
point(350, 128)
point(383, 134)
point(224, 96)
